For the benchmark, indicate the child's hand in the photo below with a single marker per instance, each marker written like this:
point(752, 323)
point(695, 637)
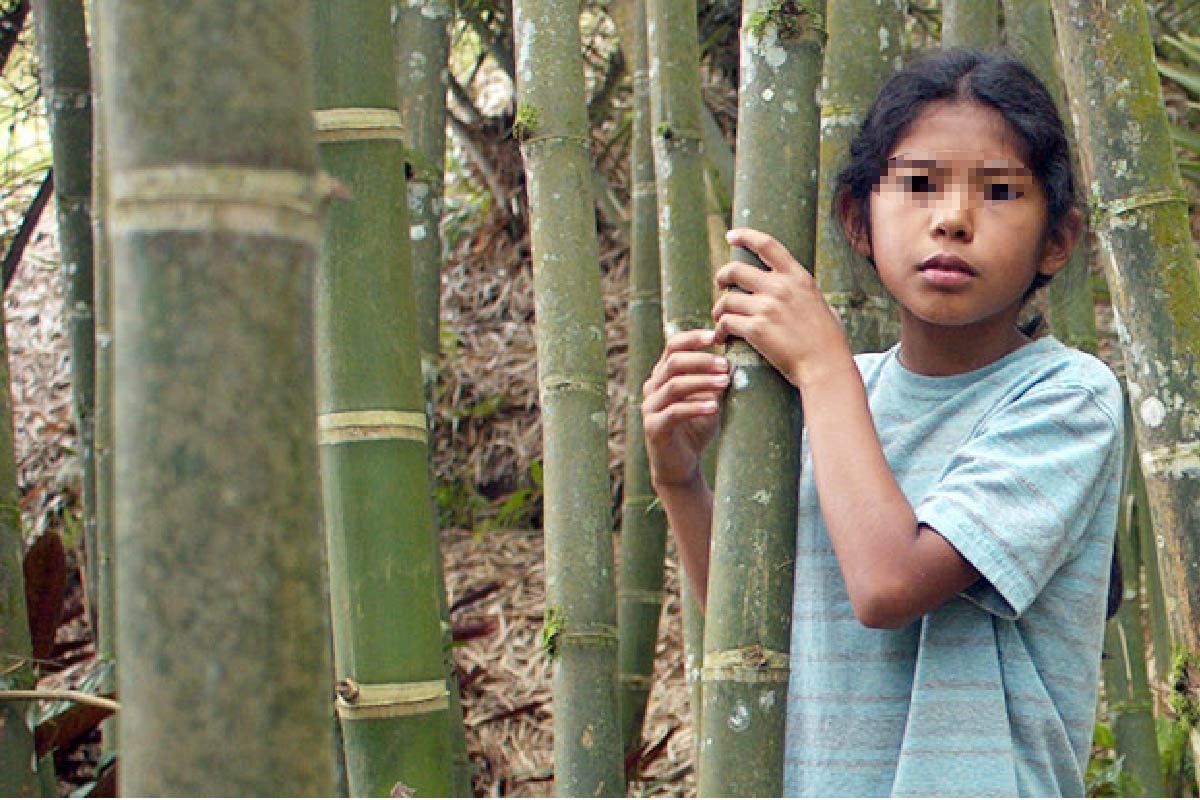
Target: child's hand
point(781, 314)
point(680, 401)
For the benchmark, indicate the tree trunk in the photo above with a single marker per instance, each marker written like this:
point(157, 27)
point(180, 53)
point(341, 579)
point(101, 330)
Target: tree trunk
point(853, 76)
point(1141, 219)
point(644, 526)
point(747, 630)
point(223, 631)
point(65, 76)
point(393, 697)
point(579, 632)
point(970, 23)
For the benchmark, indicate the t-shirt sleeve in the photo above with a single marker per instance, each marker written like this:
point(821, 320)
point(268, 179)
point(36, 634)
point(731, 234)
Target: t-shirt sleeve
point(1019, 494)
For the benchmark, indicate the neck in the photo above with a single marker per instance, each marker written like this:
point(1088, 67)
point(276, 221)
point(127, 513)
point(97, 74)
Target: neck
point(927, 350)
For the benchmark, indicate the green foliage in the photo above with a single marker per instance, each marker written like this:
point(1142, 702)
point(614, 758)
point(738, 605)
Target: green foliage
point(794, 19)
point(1179, 62)
point(1106, 775)
point(527, 121)
point(552, 628)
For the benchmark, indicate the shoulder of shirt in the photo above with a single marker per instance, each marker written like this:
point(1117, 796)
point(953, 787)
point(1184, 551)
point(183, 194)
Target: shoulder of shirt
point(1060, 368)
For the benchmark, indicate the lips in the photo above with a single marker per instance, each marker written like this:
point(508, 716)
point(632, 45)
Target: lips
point(944, 271)
point(944, 262)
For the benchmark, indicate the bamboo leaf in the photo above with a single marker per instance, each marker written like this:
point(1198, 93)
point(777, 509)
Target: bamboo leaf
point(1189, 79)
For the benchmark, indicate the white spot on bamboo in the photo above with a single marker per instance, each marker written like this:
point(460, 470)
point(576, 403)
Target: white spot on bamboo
point(885, 38)
point(739, 720)
point(762, 497)
point(790, 106)
point(768, 94)
point(741, 379)
point(766, 700)
point(1153, 411)
point(416, 233)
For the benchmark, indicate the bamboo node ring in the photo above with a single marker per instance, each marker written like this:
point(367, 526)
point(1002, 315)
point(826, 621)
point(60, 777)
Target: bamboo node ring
point(358, 125)
point(1125, 205)
point(340, 427)
point(389, 700)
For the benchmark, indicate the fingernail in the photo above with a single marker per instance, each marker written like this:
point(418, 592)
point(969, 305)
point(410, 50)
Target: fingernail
point(729, 236)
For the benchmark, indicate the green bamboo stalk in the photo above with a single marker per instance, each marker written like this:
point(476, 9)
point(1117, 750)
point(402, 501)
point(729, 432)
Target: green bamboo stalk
point(1140, 215)
point(676, 114)
point(748, 621)
point(1160, 628)
point(422, 46)
point(65, 75)
point(106, 611)
point(383, 559)
point(1070, 307)
point(18, 769)
point(970, 23)
point(1126, 683)
point(644, 526)
point(580, 633)
point(421, 31)
point(678, 120)
point(853, 73)
point(223, 628)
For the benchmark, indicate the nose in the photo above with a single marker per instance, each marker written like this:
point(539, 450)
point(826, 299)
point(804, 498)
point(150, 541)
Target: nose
point(953, 221)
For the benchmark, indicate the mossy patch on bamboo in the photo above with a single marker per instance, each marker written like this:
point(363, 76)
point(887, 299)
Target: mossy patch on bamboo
point(1185, 687)
point(526, 123)
point(552, 629)
point(793, 19)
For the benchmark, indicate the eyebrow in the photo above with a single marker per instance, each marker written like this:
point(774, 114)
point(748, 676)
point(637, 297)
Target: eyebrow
point(989, 168)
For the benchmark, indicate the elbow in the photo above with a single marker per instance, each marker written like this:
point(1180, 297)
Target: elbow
point(880, 607)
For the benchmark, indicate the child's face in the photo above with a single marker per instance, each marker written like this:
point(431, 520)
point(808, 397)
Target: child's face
point(958, 223)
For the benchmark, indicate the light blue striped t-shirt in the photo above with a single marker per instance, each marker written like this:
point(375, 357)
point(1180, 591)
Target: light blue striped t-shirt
point(1018, 465)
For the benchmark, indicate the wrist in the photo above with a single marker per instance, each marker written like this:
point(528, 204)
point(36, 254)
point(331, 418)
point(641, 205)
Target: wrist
point(830, 368)
point(691, 484)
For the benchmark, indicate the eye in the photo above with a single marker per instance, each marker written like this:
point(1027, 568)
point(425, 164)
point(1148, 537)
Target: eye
point(1002, 191)
point(918, 184)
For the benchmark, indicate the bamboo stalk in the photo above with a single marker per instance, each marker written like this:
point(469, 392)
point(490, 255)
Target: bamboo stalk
point(223, 628)
point(422, 48)
point(970, 23)
point(393, 684)
point(852, 78)
point(106, 611)
point(579, 633)
point(18, 769)
point(65, 76)
point(1140, 215)
point(644, 526)
point(1070, 306)
point(747, 630)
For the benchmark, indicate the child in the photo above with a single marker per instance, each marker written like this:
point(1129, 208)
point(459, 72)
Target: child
point(959, 492)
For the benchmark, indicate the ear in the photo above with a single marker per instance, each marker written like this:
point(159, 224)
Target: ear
point(854, 225)
point(1060, 243)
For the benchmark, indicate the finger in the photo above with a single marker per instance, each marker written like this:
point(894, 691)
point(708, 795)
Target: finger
point(661, 422)
point(736, 326)
point(766, 247)
point(693, 339)
point(683, 388)
point(743, 276)
point(684, 363)
point(739, 303)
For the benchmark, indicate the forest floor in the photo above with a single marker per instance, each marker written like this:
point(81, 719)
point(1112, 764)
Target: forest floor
point(494, 577)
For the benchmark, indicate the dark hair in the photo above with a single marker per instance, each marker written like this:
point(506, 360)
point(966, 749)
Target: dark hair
point(991, 79)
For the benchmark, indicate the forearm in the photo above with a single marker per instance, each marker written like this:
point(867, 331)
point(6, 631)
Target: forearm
point(689, 517)
point(894, 570)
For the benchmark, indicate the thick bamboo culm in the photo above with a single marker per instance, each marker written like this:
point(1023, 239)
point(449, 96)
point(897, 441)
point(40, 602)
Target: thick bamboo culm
point(223, 632)
point(580, 627)
point(421, 34)
point(747, 629)
point(1070, 305)
point(393, 690)
point(65, 76)
point(970, 23)
point(644, 526)
point(1140, 216)
point(852, 78)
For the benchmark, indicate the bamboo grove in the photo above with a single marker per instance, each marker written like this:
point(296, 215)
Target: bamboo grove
point(249, 204)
